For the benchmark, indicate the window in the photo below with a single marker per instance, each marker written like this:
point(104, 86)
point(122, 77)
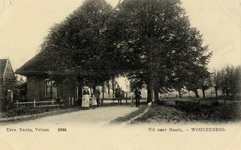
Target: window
point(50, 89)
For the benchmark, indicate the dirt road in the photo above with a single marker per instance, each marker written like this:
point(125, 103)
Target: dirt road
point(97, 117)
point(89, 129)
point(85, 126)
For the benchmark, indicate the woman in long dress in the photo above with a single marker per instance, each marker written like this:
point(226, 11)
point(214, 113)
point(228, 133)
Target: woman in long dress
point(86, 99)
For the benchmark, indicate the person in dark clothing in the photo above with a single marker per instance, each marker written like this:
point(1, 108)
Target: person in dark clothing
point(97, 96)
point(137, 97)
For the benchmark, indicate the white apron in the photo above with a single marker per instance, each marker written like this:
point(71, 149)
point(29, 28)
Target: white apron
point(85, 101)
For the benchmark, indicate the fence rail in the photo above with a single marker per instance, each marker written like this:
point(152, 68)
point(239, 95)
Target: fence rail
point(37, 102)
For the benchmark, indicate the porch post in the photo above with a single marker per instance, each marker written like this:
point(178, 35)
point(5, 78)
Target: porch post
point(11, 95)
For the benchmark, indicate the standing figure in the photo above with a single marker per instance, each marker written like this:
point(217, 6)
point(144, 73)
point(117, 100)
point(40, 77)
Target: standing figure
point(119, 94)
point(86, 99)
point(138, 97)
point(93, 100)
point(97, 96)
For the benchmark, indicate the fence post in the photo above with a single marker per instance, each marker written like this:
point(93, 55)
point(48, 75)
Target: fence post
point(17, 103)
point(69, 101)
point(132, 101)
point(52, 101)
point(72, 101)
point(34, 104)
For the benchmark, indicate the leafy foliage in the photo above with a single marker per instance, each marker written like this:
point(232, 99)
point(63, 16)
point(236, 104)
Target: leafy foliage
point(149, 41)
point(159, 45)
point(228, 79)
point(75, 46)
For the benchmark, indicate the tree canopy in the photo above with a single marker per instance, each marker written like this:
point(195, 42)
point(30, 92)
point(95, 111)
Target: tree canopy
point(77, 43)
point(160, 44)
point(150, 41)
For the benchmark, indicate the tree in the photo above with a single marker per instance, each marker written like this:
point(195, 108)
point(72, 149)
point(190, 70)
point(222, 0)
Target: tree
point(206, 84)
point(158, 43)
point(237, 81)
point(226, 81)
point(217, 78)
point(75, 46)
point(149, 40)
point(196, 80)
point(229, 80)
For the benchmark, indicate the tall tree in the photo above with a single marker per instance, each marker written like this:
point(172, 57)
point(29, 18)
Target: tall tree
point(77, 43)
point(237, 81)
point(158, 42)
point(230, 80)
point(150, 40)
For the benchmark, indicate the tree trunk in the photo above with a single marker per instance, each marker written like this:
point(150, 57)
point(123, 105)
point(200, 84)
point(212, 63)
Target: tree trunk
point(103, 93)
point(113, 87)
point(1, 96)
point(180, 95)
point(203, 93)
point(196, 93)
point(216, 91)
point(156, 95)
point(156, 88)
point(94, 87)
point(126, 98)
point(150, 90)
point(108, 86)
point(149, 93)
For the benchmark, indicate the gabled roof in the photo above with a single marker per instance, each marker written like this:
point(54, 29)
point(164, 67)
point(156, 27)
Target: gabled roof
point(3, 63)
point(36, 65)
point(6, 70)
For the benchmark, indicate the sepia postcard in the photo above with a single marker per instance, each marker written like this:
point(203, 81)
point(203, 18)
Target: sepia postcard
point(120, 74)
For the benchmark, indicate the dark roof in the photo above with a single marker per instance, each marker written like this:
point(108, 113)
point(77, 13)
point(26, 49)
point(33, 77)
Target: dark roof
point(3, 63)
point(36, 65)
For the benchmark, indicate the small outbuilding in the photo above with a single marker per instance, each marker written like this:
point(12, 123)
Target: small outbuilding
point(7, 81)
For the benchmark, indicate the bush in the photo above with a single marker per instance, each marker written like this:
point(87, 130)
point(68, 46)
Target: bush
point(188, 106)
point(21, 111)
point(7, 105)
point(214, 113)
point(216, 104)
point(160, 102)
point(64, 104)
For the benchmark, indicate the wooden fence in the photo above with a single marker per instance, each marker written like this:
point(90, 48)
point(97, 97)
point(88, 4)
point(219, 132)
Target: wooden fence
point(37, 102)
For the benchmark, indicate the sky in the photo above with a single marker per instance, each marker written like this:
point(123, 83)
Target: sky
point(25, 23)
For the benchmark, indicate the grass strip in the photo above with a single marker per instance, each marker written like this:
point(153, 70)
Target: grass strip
point(129, 116)
point(53, 112)
point(202, 114)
